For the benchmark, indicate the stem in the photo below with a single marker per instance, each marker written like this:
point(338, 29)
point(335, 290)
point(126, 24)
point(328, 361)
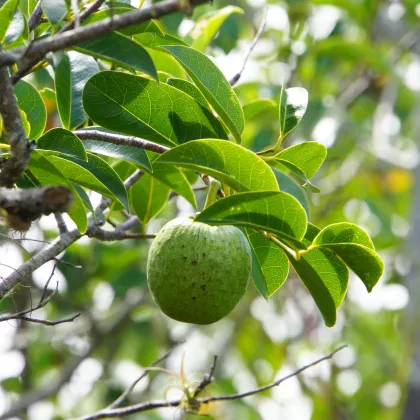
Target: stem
point(212, 194)
point(294, 252)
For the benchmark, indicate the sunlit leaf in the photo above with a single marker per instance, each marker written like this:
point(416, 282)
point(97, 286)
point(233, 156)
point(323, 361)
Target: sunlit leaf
point(189, 89)
point(292, 108)
point(6, 15)
point(62, 141)
point(55, 10)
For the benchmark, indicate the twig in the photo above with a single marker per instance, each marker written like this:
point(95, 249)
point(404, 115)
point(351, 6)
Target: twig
point(120, 140)
point(129, 390)
point(105, 235)
point(60, 222)
point(35, 18)
point(26, 57)
point(92, 8)
point(54, 386)
point(152, 405)
point(238, 75)
point(207, 379)
point(20, 147)
point(44, 299)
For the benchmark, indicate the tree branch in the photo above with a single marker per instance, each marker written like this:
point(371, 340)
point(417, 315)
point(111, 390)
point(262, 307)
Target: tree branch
point(20, 148)
point(35, 17)
point(92, 8)
point(152, 405)
point(26, 57)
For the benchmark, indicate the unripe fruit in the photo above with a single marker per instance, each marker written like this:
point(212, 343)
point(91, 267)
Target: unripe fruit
point(197, 273)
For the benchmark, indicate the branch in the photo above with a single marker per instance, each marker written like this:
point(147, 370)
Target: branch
point(152, 405)
point(25, 206)
point(21, 316)
point(120, 140)
point(238, 75)
point(92, 8)
point(35, 18)
point(26, 57)
point(98, 337)
point(20, 148)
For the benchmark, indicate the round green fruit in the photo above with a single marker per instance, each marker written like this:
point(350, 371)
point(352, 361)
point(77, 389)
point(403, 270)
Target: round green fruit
point(197, 273)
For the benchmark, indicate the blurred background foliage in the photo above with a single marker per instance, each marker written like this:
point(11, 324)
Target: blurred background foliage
point(360, 62)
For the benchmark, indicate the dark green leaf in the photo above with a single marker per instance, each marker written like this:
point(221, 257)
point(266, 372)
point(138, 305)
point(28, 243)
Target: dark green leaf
point(189, 89)
point(71, 75)
point(228, 162)
point(269, 211)
point(271, 259)
point(121, 50)
point(144, 108)
point(148, 197)
point(62, 141)
point(214, 86)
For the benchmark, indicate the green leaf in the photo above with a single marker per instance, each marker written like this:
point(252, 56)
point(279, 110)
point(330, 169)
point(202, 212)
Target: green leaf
point(271, 259)
point(299, 173)
point(269, 211)
point(149, 26)
point(148, 109)
point(175, 179)
point(62, 141)
point(155, 40)
point(189, 89)
point(167, 64)
point(48, 174)
point(71, 75)
point(292, 108)
point(324, 275)
point(25, 122)
point(308, 157)
point(207, 26)
point(257, 107)
point(6, 15)
point(30, 101)
point(18, 28)
point(121, 50)
point(290, 186)
point(95, 175)
point(353, 245)
point(131, 154)
point(55, 10)
point(148, 196)
point(214, 86)
point(228, 162)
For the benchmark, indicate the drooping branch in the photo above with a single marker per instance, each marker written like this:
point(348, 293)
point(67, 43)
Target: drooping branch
point(20, 147)
point(26, 57)
point(152, 405)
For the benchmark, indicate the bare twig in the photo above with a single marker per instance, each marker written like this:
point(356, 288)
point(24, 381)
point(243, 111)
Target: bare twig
point(60, 222)
point(44, 299)
point(26, 57)
point(116, 235)
point(207, 379)
point(54, 386)
point(20, 147)
point(35, 18)
point(92, 8)
point(152, 405)
point(260, 31)
point(120, 140)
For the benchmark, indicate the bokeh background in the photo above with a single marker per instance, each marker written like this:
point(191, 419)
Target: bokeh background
point(360, 62)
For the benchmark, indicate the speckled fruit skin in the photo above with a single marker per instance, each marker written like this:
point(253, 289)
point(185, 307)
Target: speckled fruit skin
point(197, 273)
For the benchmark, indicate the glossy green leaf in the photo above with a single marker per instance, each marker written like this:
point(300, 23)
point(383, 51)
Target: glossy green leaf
point(6, 15)
point(131, 154)
point(167, 64)
point(228, 162)
point(214, 86)
point(292, 108)
point(308, 157)
point(207, 26)
point(18, 28)
point(48, 174)
point(95, 176)
point(155, 40)
point(324, 275)
point(62, 141)
point(189, 89)
point(259, 106)
point(71, 75)
point(30, 101)
point(290, 186)
point(299, 173)
point(121, 50)
point(149, 26)
point(353, 245)
point(269, 211)
point(144, 108)
point(175, 179)
point(148, 197)
point(271, 259)
point(55, 10)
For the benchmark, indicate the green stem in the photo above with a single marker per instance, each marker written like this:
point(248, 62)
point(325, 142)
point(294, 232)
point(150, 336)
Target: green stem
point(212, 194)
point(293, 252)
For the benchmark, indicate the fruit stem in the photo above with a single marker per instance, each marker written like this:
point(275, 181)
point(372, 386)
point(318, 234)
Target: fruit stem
point(212, 194)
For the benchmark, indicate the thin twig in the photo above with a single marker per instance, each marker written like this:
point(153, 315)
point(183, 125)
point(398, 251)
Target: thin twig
point(92, 8)
point(35, 17)
point(207, 379)
point(60, 222)
point(238, 75)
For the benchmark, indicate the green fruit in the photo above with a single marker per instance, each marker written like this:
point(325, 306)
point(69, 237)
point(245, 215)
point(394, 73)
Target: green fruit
point(197, 273)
